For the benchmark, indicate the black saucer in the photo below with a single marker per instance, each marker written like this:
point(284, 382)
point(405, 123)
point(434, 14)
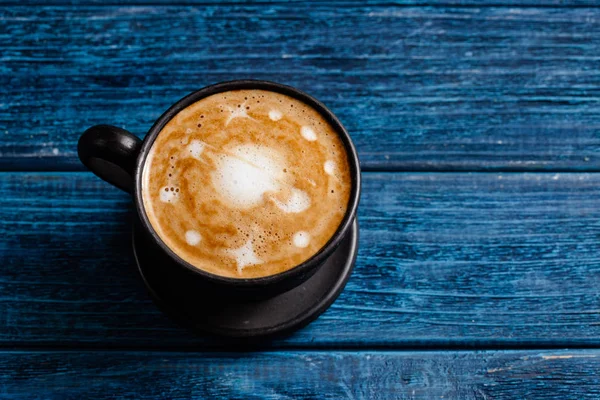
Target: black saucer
point(281, 314)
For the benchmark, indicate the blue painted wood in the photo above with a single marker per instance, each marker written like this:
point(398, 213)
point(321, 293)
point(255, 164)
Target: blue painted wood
point(419, 88)
point(337, 3)
point(454, 259)
point(299, 375)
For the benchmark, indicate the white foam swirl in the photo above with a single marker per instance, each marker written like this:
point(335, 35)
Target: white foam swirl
point(301, 239)
point(168, 196)
point(308, 133)
point(243, 179)
point(244, 256)
point(275, 115)
point(192, 237)
point(237, 112)
point(296, 203)
point(329, 167)
point(195, 148)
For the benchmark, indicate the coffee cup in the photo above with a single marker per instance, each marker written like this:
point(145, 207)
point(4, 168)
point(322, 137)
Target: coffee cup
point(122, 159)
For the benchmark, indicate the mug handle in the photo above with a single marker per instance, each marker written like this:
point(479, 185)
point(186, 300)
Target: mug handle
point(110, 153)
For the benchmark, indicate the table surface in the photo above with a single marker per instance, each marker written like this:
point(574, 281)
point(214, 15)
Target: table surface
point(478, 129)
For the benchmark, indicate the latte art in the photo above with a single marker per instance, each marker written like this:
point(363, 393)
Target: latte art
point(246, 183)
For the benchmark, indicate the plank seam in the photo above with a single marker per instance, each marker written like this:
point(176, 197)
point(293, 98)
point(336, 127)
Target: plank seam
point(268, 351)
point(325, 347)
point(282, 3)
point(367, 169)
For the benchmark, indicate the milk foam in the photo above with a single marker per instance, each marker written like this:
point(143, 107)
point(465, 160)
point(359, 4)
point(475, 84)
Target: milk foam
point(308, 133)
point(240, 184)
point(237, 112)
point(297, 202)
point(244, 256)
point(169, 195)
point(329, 167)
point(192, 238)
point(195, 148)
point(275, 115)
point(301, 239)
point(245, 176)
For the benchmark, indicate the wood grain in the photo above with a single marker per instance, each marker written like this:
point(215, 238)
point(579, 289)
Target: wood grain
point(337, 3)
point(314, 375)
point(419, 88)
point(454, 260)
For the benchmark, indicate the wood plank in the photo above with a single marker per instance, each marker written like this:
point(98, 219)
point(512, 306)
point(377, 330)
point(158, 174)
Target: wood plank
point(452, 259)
point(314, 375)
point(338, 3)
point(419, 88)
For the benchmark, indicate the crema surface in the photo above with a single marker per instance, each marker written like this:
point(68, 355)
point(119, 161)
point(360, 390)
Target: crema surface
point(246, 183)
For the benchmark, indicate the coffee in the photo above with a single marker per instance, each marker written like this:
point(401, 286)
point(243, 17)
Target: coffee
point(246, 183)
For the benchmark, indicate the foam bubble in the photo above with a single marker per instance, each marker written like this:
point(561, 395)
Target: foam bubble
point(188, 130)
point(301, 239)
point(275, 115)
point(192, 238)
point(244, 178)
point(196, 148)
point(167, 195)
point(244, 256)
point(329, 167)
point(297, 202)
point(308, 133)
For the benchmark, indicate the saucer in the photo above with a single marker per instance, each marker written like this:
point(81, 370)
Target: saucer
point(277, 315)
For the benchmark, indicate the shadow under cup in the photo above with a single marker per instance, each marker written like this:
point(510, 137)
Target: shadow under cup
point(115, 154)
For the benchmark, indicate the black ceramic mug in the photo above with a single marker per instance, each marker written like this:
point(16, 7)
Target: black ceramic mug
point(118, 157)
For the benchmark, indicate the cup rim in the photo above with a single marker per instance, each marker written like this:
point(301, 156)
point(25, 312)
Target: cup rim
point(315, 260)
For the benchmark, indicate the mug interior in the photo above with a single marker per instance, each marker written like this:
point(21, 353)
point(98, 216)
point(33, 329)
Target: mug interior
point(353, 162)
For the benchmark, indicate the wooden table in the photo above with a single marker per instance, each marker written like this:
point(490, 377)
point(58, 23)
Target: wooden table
point(478, 129)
